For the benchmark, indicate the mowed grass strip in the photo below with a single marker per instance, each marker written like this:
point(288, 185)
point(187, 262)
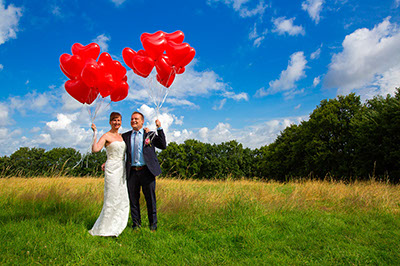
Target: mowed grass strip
point(45, 220)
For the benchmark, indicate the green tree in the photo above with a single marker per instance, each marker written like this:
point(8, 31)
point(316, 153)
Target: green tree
point(194, 159)
point(329, 145)
point(377, 134)
point(5, 166)
point(60, 161)
point(28, 162)
point(90, 164)
point(284, 158)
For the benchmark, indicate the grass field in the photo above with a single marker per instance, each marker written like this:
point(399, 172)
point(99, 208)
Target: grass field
point(46, 221)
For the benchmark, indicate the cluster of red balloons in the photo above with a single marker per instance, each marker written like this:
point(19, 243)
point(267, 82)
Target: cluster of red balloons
point(165, 51)
point(89, 78)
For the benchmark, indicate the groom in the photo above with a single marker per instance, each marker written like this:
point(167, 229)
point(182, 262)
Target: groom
point(142, 167)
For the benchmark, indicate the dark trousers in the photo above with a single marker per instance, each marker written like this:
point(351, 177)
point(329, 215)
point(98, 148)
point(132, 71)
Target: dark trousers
point(146, 180)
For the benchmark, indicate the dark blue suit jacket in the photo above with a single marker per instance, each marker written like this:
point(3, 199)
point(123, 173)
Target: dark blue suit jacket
point(149, 151)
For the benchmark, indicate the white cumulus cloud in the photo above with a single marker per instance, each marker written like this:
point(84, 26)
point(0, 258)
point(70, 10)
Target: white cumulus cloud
point(4, 115)
point(220, 105)
point(9, 19)
point(32, 101)
point(66, 131)
point(369, 63)
point(243, 9)
point(102, 40)
point(189, 85)
point(283, 25)
point(313, 8)
point(256, 37)
point(288, 77)
point(253, 136)
point(316, 81)
point(316, 54)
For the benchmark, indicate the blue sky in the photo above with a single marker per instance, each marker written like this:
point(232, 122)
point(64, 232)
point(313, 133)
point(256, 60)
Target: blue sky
point(259, 67)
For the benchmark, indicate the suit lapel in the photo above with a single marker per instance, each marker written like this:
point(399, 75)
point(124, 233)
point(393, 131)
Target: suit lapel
point(128, 142)
point(144, 138)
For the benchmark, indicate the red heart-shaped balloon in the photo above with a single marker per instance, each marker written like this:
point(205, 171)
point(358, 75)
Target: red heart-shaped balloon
point(143, 64)
point(106, 85)
point(120, 92)
point(71, 65)
point(156, 35)
point(165, 82)
point(90, 73)
point(154, 47)
point(80, 92)
point(91, 50)
point(177, 51)
point(165, 73)
point(127, 55)
point(179, 70)
point(163, 66)
point(65, 73)
point(189, 57)
point(119, 71)
point(105, 60)
point(142, 52)
point(93, 93)
point(176, 36)
point(105, 63)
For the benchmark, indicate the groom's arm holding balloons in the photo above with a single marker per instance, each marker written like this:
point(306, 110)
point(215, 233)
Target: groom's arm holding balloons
point(159, 139)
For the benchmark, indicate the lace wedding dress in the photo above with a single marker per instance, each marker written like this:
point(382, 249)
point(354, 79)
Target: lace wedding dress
point(114, 215)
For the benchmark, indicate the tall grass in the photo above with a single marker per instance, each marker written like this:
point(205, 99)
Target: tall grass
point(45, 220)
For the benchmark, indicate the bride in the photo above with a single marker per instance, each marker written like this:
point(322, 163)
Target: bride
point(114, 215)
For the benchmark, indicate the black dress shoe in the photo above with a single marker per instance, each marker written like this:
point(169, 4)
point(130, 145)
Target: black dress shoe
point(136, 226)
point(153, 227)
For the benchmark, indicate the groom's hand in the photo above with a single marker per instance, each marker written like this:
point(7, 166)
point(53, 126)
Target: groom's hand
point(103, 167)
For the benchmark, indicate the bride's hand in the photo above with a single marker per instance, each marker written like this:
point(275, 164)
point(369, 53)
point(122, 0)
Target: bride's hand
point(146, 129)
point(94, 127)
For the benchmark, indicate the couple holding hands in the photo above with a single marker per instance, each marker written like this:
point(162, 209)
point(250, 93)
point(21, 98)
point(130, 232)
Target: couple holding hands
point(131, 164)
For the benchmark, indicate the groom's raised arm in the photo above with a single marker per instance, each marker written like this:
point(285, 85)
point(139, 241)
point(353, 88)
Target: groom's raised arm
point(159, 139)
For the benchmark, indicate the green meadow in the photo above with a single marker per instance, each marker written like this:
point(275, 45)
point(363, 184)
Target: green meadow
point(46, 221)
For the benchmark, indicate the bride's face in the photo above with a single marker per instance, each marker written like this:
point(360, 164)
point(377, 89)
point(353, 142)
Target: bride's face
point(116, 123)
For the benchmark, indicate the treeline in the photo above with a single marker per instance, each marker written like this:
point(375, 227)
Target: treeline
point(342, 140)
point(30, 162)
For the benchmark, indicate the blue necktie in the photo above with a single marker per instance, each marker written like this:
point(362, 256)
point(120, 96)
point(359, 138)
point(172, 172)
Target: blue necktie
point(136, 148)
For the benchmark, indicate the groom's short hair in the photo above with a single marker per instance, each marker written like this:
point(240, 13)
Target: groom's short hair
point(139, 113)
point(113, 115)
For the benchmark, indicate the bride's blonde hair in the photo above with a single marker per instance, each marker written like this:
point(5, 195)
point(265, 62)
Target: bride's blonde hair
point(114, 115)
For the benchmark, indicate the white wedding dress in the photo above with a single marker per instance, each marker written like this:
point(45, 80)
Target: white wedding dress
point(115, 213)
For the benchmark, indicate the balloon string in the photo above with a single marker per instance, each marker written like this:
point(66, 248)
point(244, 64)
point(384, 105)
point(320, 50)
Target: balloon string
point(167, 89)
point(158, 96)
point(152, 91)
point(98, 105)
point(86, 154)
point(152, 135)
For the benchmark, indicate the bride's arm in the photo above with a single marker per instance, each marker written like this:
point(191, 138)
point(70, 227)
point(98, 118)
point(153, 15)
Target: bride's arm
point(98, 145)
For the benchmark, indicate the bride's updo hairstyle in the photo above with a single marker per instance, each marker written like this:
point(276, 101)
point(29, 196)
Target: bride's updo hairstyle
point(114, 115)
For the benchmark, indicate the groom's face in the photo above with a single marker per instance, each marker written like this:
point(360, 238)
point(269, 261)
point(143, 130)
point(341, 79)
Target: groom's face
point(136, 122)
